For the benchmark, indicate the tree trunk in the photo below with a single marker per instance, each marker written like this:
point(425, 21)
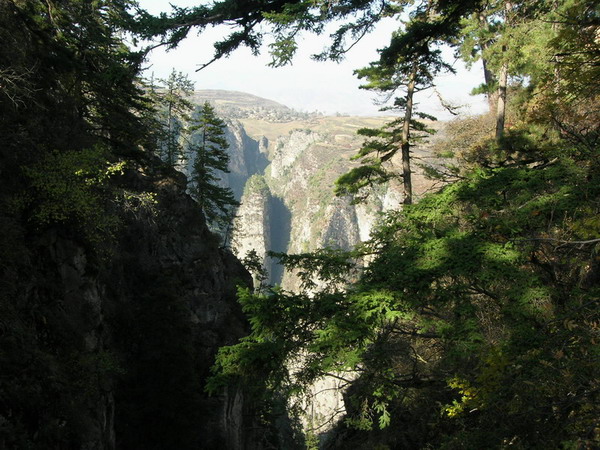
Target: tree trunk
point(503, 80)
point(488, 75)
point(406, 172)
point(501, 107)
point(490, 80)
point(201, 156)
point(170, 139)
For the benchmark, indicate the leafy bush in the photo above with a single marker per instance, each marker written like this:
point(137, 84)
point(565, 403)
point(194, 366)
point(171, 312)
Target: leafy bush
point(71, 188)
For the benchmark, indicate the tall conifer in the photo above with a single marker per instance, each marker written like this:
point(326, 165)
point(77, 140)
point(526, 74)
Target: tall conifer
point(208, 146)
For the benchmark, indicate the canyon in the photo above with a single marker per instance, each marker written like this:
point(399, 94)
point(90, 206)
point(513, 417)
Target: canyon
point(283, 167)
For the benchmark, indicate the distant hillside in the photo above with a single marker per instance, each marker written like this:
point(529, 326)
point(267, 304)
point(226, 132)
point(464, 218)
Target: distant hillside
point(240, 105)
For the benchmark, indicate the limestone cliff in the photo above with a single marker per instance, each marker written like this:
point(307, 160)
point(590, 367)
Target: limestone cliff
point(298, 158)
point(301, 175)
point(169, 268)
point(246, 157)
point(252, 226)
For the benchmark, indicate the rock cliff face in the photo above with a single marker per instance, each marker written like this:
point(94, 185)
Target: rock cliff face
point(300, 177)
point(288, 149)
point(170, 269)
point(247, 157)
point(252, 226)
point(115, 342)
point(298, 159)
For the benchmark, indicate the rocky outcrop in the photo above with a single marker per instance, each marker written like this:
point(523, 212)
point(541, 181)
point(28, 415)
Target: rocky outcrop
point(288, 149)
point(298, 211)
point(245, 157)
point(169, 268)
point(303, 172)
point(292, 207)
point(252, 225)
point(300, 161)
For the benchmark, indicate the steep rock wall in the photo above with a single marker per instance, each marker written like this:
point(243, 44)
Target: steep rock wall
point(295, 210)
point(301, 213)
point(246, 157)
point(252, 225)
point(171, 271)
point(108, 346)
point(302, 173)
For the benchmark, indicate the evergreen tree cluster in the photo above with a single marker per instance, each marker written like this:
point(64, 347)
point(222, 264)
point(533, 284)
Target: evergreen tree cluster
point(183, 133)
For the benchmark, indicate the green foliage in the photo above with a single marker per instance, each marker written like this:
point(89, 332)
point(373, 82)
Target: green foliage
point(411, 70)
point(71, 188)
point(375, 157)
point(359, 178)
point(287, 20)
point(475, 323)
point(256, 184)
point(254, 264)
point(170, 98)
point(209, 147)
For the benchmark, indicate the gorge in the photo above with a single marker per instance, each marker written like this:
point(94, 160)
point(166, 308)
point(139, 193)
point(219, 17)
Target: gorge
point(283, 167)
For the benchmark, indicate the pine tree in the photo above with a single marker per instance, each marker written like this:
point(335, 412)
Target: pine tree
point(170, 98)
point(209, 149)
point(409, 72)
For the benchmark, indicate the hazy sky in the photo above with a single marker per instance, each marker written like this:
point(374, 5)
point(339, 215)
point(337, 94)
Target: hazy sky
point(306, 85)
